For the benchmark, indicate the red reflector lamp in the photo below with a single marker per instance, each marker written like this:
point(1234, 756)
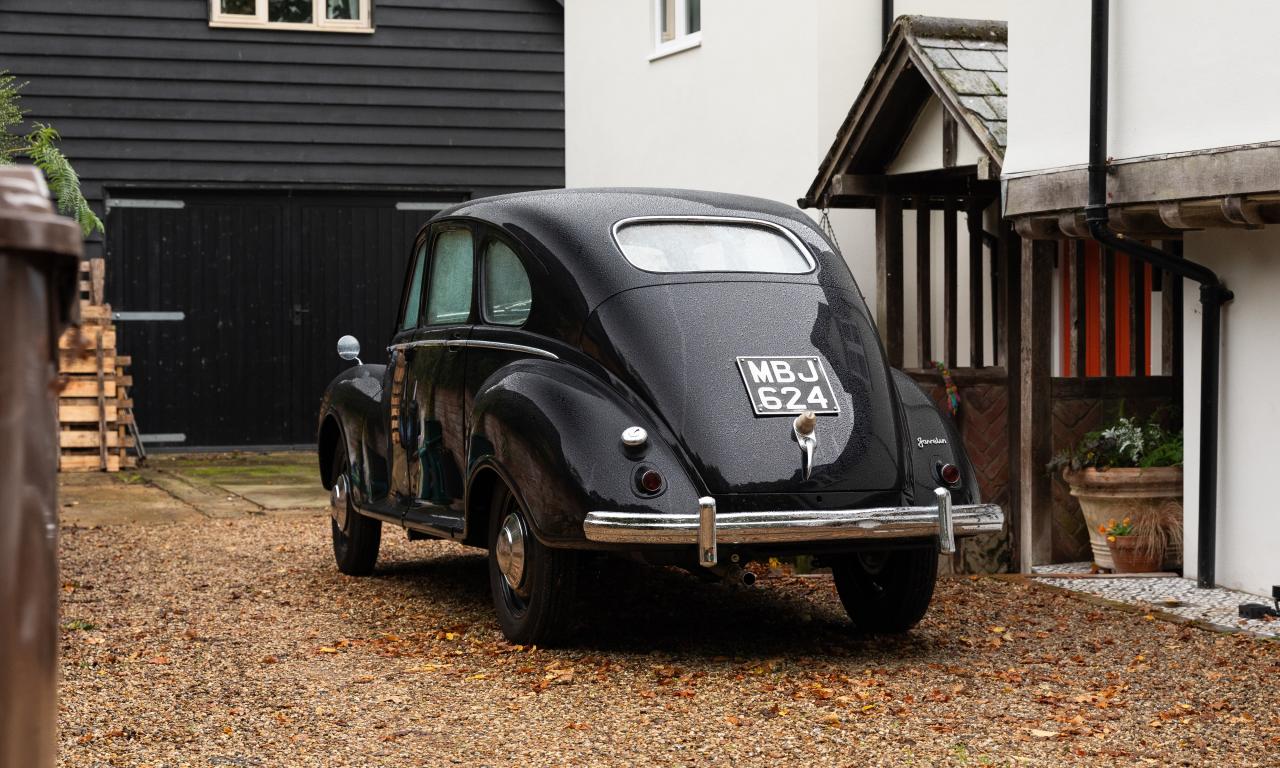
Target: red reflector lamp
point(649, 480)
point(949, 474)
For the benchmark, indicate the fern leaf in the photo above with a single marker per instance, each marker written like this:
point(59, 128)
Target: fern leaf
point(43, 150)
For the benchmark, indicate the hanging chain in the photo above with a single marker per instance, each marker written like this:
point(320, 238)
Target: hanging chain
point(825, 224)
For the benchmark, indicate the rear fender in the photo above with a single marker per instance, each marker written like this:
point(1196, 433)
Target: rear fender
point(931, 440)
point(553, 434)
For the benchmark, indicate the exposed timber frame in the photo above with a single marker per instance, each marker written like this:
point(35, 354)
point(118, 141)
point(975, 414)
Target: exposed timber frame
point(1156, 197)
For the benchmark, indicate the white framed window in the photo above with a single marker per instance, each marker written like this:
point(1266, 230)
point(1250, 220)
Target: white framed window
point(677, 26)
point(313, 15)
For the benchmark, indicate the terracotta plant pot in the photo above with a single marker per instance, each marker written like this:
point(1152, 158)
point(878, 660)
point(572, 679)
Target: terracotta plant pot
point(1138, 494)
point(1131, 556)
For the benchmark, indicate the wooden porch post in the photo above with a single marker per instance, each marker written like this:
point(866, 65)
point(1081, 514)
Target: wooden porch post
point(1035, 412)
point(1009, 355)
point(973, 215)
point(949, 250)
point(924, 283)
point(889, 298)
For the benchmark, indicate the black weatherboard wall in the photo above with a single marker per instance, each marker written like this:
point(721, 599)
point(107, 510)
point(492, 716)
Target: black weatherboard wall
point(282, 175)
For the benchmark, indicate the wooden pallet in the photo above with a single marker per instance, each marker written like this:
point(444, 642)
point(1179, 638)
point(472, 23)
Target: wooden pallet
point(95, 414)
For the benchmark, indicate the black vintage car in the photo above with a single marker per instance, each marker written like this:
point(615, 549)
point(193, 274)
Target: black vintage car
point(688, 377)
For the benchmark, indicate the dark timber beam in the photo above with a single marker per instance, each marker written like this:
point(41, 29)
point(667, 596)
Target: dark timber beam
point(1079, 317)
point(949, 251)
point(949, 137)
point(1035, 433)
point(1011, 358)
point(1004, 273)
point(1109, 321)
point(1137, 322)
point(889, 276)
point(960, 182)
point(973, 216)
point(924, 283)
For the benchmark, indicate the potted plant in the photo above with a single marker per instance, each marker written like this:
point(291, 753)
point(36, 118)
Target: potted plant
point(1132, 470)
point(1132, 553)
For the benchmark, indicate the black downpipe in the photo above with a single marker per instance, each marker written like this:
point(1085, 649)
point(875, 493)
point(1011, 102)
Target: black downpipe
point(886, 18)
point(1213, 294)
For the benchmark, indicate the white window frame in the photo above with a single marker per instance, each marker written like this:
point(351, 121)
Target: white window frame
point(683, 40)
point(318, 23)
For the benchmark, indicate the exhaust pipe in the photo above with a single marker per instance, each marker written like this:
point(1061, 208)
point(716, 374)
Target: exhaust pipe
point(728, 573)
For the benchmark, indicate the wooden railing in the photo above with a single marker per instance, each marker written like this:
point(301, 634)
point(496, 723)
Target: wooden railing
point(1106, 303)
point(986, 259)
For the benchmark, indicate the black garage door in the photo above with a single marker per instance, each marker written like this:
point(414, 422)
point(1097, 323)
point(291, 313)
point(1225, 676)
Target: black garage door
point(267, 284)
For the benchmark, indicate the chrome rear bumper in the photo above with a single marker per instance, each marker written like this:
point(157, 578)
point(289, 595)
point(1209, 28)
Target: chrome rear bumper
point(707, 529)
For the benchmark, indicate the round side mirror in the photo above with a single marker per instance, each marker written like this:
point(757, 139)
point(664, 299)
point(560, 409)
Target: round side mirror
point(349, 348)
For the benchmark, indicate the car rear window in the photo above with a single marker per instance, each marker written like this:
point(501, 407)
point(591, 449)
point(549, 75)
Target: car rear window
point(710, 246)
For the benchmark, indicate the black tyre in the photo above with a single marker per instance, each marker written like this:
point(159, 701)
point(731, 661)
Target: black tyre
point(888, 591)
point(534, 586)
point(355, 537)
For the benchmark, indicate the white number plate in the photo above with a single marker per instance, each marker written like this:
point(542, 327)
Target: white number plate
point(781, 386)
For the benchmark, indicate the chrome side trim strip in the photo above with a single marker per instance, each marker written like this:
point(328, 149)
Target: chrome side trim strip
point(476, 344)
point(791, 526)
point(506, 346)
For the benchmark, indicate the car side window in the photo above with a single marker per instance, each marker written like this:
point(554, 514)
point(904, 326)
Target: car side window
point(452, 267)
point(413, 292)
point(507, 296)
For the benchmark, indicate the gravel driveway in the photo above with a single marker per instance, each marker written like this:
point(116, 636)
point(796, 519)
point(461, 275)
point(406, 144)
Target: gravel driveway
point(236, 643)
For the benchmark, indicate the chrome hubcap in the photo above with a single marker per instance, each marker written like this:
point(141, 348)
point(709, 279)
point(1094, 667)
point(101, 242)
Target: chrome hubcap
point(510, 550)
point(338, 502)
point(873, 562)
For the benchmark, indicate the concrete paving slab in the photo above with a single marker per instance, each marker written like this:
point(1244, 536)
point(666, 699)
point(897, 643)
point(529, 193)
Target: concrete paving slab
point(275, 497)
point(173, 487)
point(234, 484)
point(97, 498)
point(209, 499)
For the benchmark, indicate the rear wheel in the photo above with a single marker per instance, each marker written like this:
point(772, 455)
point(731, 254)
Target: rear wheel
point(533, 585)
point(887, 591)
point(355, 537)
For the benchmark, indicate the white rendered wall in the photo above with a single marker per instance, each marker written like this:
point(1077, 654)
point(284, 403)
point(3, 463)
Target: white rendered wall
point(1172, 62)
point(730, 115)
point(1248, 546)
point(752, 110)
point(922, 151)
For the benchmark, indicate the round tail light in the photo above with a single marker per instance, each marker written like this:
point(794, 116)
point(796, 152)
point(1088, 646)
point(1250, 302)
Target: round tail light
point(949, 474)
point(649, 480)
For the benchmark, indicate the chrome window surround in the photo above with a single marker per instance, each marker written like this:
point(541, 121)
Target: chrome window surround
point(737, 220)
point(476, 344)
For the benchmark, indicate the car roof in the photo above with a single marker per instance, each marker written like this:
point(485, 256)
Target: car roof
point(570, 233)
point(623, 201)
